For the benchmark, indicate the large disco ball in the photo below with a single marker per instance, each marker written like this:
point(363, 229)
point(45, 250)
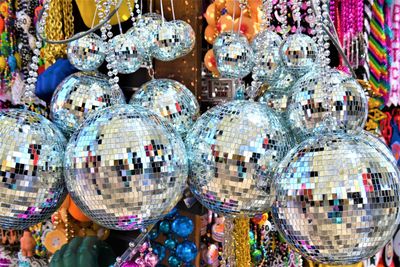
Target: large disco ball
point(125, 167)
point(87, 53)
point(171, 100)
point(126, 53)
point(299, 53)
point(235, 59)
point(285, 81)
point(231, 148)
point(144, 32)
point(80, 94)
point(186, 37)
point(337, 198)
point(31, 167)
point(326, 99)
point(169, 42)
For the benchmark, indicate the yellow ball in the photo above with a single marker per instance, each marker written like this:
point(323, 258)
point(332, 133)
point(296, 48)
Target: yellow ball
point(3, 63)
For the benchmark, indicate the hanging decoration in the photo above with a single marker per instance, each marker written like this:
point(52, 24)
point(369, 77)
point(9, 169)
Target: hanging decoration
point(333, 101)
point(231, 147)
point(31, 152)
point(171, 100)
point(78, 95)
point(126, 54)
point(87, 53)
point(141, 143)
point(339, 231)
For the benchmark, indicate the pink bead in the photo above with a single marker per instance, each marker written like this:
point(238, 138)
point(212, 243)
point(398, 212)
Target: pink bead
point(144, 247)
point(151, 259)
point(129, 264)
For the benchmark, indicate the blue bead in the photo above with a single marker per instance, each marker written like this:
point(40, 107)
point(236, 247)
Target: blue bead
point(174, 261)
point(170, 244)
point(182, 226)
point(153, 234)
point(186, 251)
point(159, 250)
point(165, 227)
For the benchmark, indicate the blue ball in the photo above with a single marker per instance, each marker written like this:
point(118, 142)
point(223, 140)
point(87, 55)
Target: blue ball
point(12, 63)
point(165, 227)
point(182, 226)
point(186, 251)
point(172, 213)
point(174, 261)
point(159, 250)
point(153, 234)
point(170, 243)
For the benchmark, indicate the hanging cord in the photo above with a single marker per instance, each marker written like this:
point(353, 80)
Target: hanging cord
point(242, 5)
point(173, 9)
point(151, 6)
point(119, 23)
point(94, 17)
point(233, 15)
point(162, 11)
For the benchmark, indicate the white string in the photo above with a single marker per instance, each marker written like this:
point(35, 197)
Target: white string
point(119, 23)
point(240, 19)
point(162, 11)
point(94, 16)
point(173, 9)
point(233, 16)
point(151, 6)
point(141, 6)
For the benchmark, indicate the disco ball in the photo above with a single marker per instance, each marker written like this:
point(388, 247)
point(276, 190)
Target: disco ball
point(299, 53)
point(169, 42)
point(276, 99)
point(270, 38)
point(235, 59)
point(144, 33)
point(78, 95)
point(326, 100)
point(125, 167)
point(126, 54)
point(171, 100)
point(187, 37)
point(231, 148)
point(86, 53)
point(31, 164)
point(225, 38)
point(284, 82)
point(337, 198)
point(267, 64)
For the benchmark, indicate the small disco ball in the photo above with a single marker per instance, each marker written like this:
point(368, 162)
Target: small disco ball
point(78, 95)
point(284, 82)
point(337, 198)
point(231, 148)
point(126, 53)
point(299, 53)
point(267, 65)
point(87, 53)
point(225, 38)
point(326, 99)
point(171, 100)
point(168, 42)
point(125, 167)
point(235, 59)
point(266, 39)
point(276, 99)
point(144, 33)
point(186, 37)
point(31, 169)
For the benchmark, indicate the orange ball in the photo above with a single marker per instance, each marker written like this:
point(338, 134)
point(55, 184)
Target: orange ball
point(233, 6)
point(1, 24)
point(211, 14)
point(247, 27)
point(76, 212)
point(220, 4)
point(210, 62)
point(66, 202)
point(225, 23)
point(254, 3)
point(210, 33)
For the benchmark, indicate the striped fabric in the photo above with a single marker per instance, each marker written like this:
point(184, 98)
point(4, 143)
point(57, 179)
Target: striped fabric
point(367, 29)
point(377, 51)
